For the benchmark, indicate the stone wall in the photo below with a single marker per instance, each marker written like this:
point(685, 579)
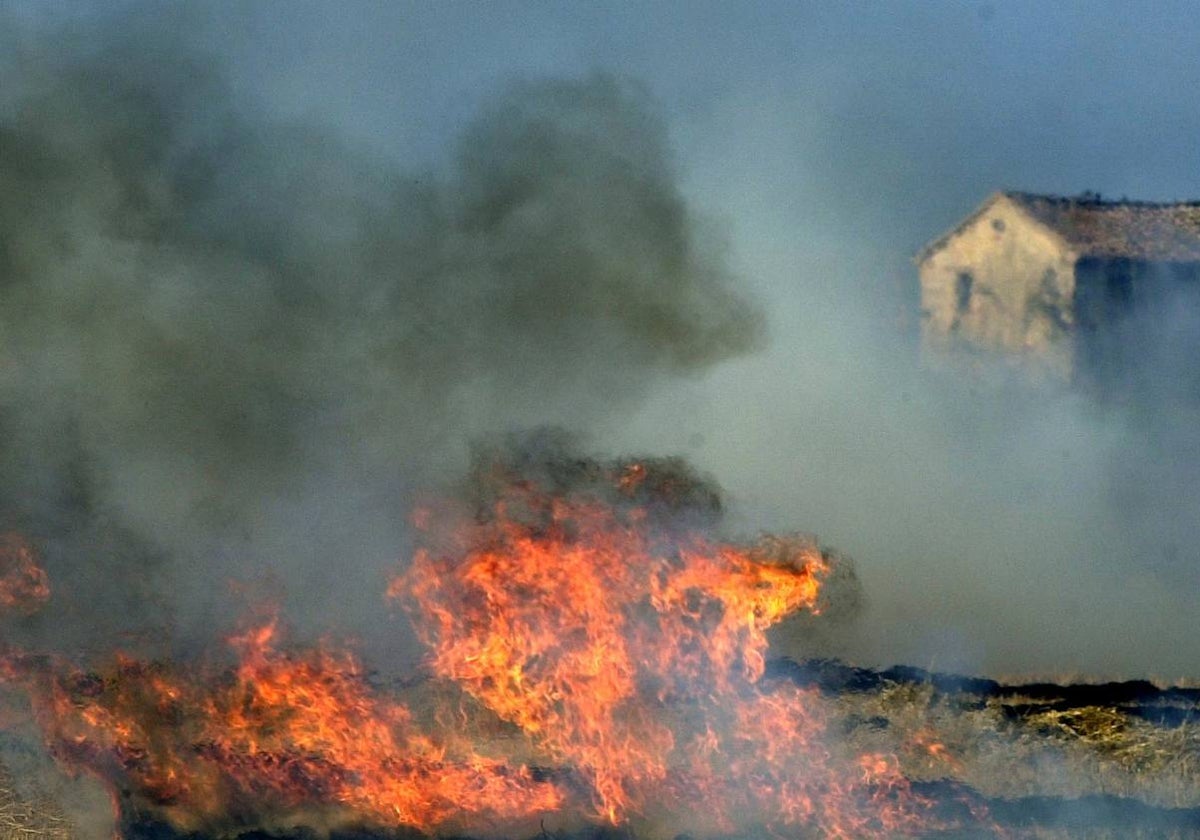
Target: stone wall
point(1001, 283)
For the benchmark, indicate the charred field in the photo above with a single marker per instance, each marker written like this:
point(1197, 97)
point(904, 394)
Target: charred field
point(359, 424)
point(598, 666)
point(1040, 760)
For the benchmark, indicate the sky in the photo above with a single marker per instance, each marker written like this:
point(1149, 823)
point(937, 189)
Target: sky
point(997, 528)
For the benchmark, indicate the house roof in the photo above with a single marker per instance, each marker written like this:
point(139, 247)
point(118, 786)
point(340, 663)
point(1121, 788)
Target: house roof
point(1119, 229)
point(1093, 227)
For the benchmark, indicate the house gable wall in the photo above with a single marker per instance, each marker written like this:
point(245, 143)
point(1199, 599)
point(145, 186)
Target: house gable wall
point(1003, 282)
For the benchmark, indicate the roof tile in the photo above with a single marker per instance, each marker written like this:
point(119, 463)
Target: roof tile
point(1119, 229)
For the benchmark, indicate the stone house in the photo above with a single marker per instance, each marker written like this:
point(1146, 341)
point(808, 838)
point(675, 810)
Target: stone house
point(1082, 289)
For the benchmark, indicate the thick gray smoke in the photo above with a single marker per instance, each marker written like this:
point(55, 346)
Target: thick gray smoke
point(230, 347)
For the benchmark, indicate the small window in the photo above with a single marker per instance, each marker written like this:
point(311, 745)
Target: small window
point(998, 225)
point(1049, 287)
point(962, 291)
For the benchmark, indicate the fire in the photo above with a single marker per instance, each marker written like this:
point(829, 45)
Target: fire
point(607, 655)
point(280, 734)
point(633, 651)
point(24, 585)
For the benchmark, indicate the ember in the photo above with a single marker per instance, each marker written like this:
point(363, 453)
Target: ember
point(24, 585)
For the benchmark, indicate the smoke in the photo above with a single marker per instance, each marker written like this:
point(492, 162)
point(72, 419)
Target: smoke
point(233, 347)
point(230, 347)
point(999, 526)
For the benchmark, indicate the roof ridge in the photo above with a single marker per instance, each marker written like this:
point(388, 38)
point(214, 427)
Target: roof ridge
point(1094, 199)
point(1096, 227)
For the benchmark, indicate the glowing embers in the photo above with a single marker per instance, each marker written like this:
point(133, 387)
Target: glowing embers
point(24, 586)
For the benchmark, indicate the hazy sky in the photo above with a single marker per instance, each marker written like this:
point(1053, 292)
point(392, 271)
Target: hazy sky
point(821, 144)
point(851, 133)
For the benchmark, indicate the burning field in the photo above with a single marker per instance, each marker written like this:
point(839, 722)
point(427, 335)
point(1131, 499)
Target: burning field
point(243, 595)
point(596, 654)
point(597, 661)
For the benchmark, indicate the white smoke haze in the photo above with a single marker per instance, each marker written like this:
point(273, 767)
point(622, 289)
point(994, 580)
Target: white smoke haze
point(233, 345)
point(999, 526)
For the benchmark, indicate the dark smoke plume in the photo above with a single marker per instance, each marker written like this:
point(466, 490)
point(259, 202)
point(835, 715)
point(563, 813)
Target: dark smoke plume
point(230, 345)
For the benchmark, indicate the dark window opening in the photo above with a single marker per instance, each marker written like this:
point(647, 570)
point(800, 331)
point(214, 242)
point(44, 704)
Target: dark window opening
point(1118, 287)
point(962, 291)
point(998, 225)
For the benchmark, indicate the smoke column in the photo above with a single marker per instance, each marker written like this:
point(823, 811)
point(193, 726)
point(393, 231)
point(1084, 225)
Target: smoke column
point(230, 347)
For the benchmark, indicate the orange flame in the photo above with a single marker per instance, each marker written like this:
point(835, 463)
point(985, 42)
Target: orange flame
point(280, 734)
point(24, 585)
point(634, 655)
point(627, 650)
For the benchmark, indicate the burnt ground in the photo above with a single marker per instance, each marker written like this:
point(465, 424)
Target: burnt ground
point(1040, 760)
point(1116, 759)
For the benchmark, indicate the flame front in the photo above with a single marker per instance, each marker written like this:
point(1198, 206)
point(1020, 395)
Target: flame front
point(632, 652)
point(601, 634)
point(281, 735)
